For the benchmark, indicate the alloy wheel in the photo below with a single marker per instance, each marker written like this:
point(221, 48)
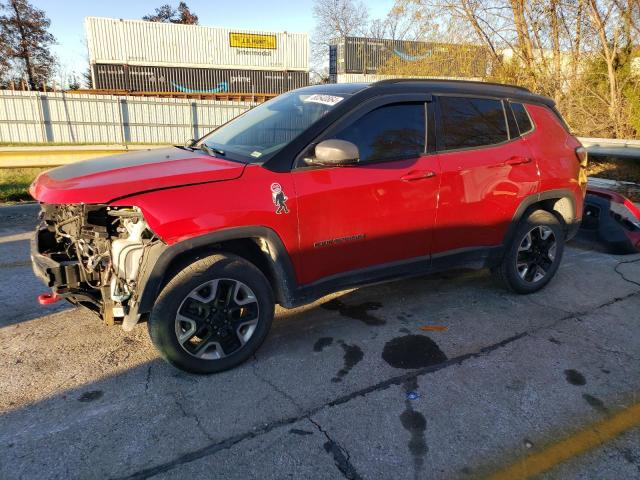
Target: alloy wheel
point(217, 318)
point(536, 254)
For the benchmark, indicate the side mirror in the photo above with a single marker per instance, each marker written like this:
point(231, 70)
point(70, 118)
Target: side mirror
point(334, 153)
point(190, 143)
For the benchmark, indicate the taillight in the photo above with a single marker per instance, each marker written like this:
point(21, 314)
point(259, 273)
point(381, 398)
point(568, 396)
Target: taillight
point(581, 156)
point(581, 153)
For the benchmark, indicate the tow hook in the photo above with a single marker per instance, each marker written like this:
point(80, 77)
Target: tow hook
point(48, 298)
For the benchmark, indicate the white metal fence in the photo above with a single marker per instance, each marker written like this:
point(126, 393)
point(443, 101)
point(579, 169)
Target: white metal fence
point(38, 117)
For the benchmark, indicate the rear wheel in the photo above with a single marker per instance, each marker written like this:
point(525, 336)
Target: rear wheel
point(212, 315)
point(534, 254)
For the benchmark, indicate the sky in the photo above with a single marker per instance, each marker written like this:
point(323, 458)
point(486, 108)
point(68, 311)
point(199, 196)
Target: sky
point(67, 19)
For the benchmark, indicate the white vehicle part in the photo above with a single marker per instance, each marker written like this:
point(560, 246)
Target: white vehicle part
point(126, 254)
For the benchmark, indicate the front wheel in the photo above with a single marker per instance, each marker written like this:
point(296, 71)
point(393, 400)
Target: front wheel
point(534, 254)
point(212, 315)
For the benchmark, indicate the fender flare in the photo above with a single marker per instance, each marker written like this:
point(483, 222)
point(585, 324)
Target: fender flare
point(152, 276)
point(556, 194)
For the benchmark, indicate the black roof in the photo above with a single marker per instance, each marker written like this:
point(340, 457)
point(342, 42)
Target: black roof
point(462, 86)
point(399, 85)
point(443, 81)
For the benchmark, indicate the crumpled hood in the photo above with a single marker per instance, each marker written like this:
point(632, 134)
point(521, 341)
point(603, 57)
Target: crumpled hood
point(101, 180)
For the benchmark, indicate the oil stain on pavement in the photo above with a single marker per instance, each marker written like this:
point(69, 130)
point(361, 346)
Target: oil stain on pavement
point(595, 402)
point(91, 396)
point(414, 423)
point(321, 343)
point(357, 312)
point(412, 351)
point(352, 356)
point(574, 377)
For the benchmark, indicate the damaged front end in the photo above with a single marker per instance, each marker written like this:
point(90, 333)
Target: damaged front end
point(95, 256)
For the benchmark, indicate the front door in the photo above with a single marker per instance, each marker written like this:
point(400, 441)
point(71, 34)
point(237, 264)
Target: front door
point(379, 211)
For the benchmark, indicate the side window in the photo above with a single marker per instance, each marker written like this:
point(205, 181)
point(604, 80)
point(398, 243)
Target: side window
point(471, 122)
point(388, 133)
point(522, 118)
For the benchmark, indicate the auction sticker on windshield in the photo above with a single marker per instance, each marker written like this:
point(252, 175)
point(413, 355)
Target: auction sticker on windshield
point(324, 99)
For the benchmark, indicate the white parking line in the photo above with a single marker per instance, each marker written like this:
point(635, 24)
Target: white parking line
point(16, 237)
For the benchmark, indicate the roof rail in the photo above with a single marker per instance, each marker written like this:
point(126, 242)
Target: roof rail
point(445, 80)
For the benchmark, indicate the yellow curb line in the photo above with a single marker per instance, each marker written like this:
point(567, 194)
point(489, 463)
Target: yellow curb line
point(572, 446)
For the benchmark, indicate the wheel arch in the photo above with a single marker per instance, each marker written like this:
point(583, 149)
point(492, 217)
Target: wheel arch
point(560, 202)
point(259, 245)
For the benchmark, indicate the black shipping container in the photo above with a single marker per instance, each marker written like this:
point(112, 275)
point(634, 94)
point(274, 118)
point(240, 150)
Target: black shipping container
point(381, 56)
point(333, 59)
point(195, 80)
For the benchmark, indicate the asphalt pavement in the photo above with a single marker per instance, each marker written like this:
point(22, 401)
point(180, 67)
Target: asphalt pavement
point(443, 376)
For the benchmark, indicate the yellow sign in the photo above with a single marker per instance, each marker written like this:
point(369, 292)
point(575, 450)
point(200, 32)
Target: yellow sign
point(252, 40)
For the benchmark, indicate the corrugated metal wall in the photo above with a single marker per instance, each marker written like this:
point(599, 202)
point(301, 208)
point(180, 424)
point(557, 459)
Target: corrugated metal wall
point(196, 80)
point(136, 42)
point(78, 118)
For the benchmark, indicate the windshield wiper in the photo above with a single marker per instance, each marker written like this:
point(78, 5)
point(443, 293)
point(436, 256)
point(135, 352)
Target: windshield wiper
point(211, 151)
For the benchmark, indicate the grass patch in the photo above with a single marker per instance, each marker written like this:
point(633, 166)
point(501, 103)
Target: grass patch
point(15, 182)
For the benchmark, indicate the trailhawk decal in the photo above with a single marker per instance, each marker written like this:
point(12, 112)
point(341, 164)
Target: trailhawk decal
point(279, 198)
point(337, 241)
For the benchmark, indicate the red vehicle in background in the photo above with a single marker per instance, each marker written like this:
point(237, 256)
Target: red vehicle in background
point(317, 190)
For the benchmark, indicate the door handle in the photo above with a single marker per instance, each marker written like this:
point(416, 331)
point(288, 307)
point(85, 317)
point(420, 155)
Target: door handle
point(417, 175)
point(518, 161)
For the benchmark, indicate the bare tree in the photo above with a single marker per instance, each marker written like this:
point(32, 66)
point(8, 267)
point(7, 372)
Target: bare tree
point(335, 19)
point(167, 14)
point(4, 64)
point(339, 18)
point(612, 24)
point(579, 52)
point(26, 41)
point(405, 21)
point(554, 47)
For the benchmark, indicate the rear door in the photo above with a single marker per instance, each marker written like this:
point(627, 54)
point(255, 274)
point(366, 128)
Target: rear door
point(487, 169)
point(380, 211)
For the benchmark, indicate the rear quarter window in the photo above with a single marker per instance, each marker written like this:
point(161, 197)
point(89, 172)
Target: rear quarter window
point(525, 125)
point(467, 122)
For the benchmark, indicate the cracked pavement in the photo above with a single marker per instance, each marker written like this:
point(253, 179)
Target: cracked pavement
point(349, 387)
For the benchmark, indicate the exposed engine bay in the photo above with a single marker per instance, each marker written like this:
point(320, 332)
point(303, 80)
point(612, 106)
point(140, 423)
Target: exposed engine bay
point(91, 255)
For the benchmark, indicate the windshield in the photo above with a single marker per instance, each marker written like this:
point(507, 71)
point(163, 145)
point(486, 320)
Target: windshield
point(266, 129)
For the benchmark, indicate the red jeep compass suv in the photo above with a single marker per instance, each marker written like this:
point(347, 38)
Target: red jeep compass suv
point(319, 189)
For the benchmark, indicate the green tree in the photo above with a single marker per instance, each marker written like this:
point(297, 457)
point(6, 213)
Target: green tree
point(26, 42)
point(167, 14)
point(88, 78)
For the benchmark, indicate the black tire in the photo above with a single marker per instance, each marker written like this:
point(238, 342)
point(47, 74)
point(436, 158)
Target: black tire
point(510, 276)
point(217, 272)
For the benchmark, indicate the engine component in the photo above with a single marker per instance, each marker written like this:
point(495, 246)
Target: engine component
point(91, 254)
